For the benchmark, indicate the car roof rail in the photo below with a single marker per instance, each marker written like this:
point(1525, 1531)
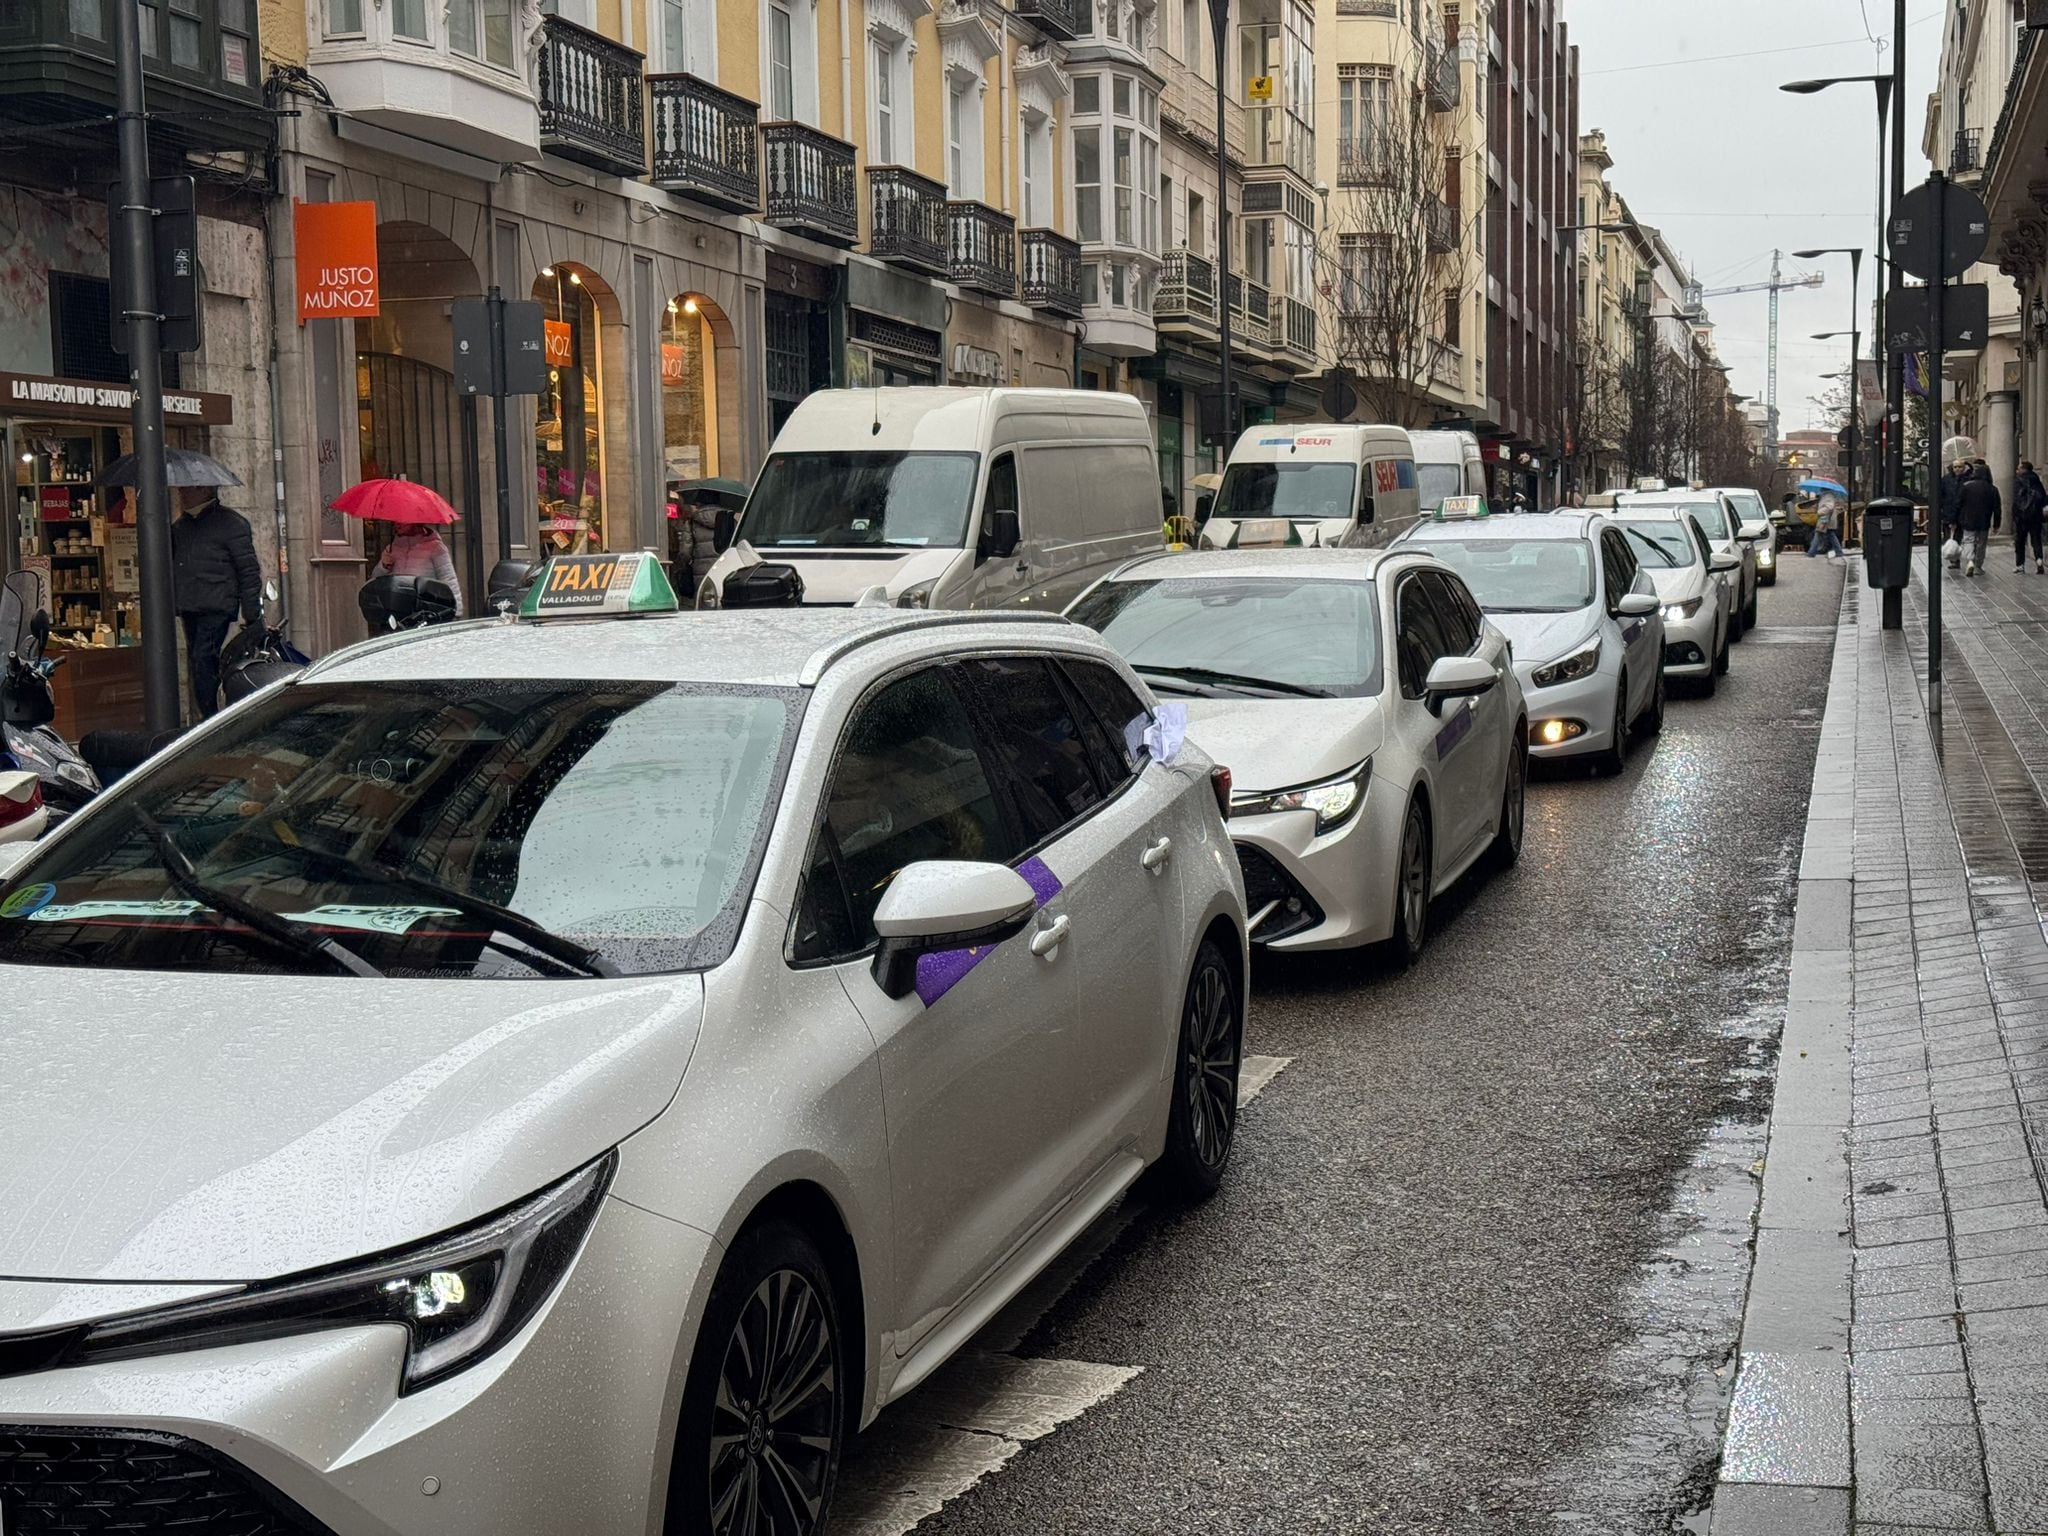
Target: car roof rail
point(827, 656)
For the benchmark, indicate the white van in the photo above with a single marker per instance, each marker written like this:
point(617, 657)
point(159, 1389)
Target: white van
point(1328, 484)
point(1447, 463)
point(954, 498)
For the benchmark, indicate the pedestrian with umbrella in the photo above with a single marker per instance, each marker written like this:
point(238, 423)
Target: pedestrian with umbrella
point(214, 570)
point(415, 511)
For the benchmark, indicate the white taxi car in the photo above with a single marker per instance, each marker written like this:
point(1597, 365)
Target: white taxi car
point(1370, 715)
point(567, 1076)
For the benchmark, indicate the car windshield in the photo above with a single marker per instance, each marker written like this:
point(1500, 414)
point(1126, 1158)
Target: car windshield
point(1749, 506)
point(1713, 517)
point(1521, 575)
point(1661, 545)
point(462, 828)
point(1258, 636)
point(1310, 490)
point(1436, 482)
point(859, 500)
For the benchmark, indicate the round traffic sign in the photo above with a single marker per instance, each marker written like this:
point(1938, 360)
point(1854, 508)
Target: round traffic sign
point(1965, 231)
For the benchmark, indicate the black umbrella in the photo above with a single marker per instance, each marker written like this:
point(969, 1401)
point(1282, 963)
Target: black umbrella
point(182, 466)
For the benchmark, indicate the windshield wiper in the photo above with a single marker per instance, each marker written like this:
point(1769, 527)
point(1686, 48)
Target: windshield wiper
point(281, 931)
point(542, 941)
point(1209, 677)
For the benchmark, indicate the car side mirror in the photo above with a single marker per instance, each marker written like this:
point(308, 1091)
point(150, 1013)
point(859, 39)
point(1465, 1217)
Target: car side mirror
point(1750, 533)
point(945, 904)
point(1636, 605)
point(1724, 562)
point(1001, 533)
point(1456, 677)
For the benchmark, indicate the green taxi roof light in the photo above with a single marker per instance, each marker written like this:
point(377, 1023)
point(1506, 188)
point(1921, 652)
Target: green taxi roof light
point(600, 585)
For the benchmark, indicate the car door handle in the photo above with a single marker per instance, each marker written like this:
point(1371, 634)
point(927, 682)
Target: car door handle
point(1049, 938)
point(1155, 857)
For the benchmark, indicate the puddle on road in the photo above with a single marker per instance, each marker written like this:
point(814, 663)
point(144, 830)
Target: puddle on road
point(1652, 1451)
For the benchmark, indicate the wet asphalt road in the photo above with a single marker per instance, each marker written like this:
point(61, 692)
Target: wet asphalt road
point(1428, 1299)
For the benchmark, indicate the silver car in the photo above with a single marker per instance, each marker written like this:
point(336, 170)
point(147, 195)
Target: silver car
point(1756, 526)
point(1371, 719)
point(1693, 580)
point(1584, 620)
point(1722, 524)
point(567, 1077)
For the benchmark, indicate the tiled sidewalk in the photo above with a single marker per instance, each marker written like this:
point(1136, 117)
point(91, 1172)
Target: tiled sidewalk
point(1893, 1377)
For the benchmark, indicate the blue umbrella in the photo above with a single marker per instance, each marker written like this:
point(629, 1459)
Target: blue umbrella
point(1817, 486)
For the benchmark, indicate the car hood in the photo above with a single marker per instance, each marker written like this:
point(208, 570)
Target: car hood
point(1676, 586)
point(160, 1127)
point(1541, 637)
point(837, 576)
point(1277, 743)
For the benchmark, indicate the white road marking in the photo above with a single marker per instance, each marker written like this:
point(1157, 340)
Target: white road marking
point(986, 1404)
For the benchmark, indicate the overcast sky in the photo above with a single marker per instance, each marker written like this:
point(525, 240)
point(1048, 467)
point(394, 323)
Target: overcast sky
point(1708, 148)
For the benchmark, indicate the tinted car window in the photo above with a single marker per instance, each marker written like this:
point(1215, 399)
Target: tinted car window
point(1120, 714)
point(1458, 621)
point(1418, 634)
point(909, 784)
point(1037, 741)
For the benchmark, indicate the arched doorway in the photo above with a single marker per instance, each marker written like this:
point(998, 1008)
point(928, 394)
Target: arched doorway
point(570, 438)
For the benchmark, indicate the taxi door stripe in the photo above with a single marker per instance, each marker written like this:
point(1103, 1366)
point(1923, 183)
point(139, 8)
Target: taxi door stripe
point(939, 972)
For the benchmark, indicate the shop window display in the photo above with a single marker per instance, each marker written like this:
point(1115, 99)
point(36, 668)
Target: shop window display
point(569, 429)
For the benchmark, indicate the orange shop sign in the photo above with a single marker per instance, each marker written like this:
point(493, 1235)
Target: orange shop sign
point(671, 363)
point(560, 343)
point(335, 256)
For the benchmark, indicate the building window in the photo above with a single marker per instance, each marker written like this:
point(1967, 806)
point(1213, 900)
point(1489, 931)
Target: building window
point(883, 139)
point(1363, 94)
point(1087, 95)
point(1258, 251)
point(781, 63)
point(1120, 94)
point(1125, 208)
point(1360, 259)
point(481, 29)
point(689, 37)
point(1198, 224)
point(409, 20)
point(1191, 34)
point(1148, 194)
point(1454, 314)
point(344, 18)
point(1034, 160)
point(1088, 184)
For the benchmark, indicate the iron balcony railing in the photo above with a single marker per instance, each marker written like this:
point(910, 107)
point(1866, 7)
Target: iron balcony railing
point(590, 99)
point(1300, 340)
point(981, 248)
point(1051, 270)
point(1063, 19)
point(707, 142)
point(1187, 290)
point(810, 183)
point(2013, 86)
point(908, 214)
point(1441, 221)
point(1441, 79)
point(1251, 313)
point(1967, 154)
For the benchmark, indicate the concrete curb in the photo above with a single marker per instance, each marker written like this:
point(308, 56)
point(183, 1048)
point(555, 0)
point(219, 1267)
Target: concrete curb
point(1785, 1464)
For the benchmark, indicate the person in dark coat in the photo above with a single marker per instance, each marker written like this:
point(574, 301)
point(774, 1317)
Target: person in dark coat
point(1979, 510)
point(1952, 483)
point(215, 574)
point(2029, 510)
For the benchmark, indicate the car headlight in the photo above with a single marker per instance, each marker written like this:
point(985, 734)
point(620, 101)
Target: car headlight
point(1684, 610)
point(458, 1296)
point(1583, 662)
point(919, 596)
point(1335, 801)
point(1765, 555)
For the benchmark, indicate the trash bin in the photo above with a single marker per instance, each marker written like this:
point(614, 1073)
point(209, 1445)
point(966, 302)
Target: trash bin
point(1888, 542)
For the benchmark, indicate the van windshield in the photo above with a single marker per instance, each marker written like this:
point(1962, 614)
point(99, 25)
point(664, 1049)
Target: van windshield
point(1438, 483)
point(1311, 490)
point(857, 500)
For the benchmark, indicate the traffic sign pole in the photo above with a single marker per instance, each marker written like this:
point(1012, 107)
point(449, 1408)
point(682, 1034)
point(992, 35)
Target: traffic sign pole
point(1936, 289)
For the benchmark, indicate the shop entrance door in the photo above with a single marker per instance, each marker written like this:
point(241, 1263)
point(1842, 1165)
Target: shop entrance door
point(410, 430)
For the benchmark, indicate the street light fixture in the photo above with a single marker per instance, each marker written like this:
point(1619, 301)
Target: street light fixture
point(1855, 255)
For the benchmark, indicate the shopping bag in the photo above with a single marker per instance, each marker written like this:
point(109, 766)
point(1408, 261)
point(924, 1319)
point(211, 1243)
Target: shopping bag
point(1952, 551)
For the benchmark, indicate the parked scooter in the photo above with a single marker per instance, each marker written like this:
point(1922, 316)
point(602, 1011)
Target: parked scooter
point(258, 656)
point(28, 704)
point(406, 602)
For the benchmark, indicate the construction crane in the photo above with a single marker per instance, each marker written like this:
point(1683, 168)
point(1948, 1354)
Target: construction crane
point(1696, 297)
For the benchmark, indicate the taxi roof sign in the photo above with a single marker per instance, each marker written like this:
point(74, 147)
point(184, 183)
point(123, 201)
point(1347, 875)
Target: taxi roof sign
point(588, 586)
point(1459, 507)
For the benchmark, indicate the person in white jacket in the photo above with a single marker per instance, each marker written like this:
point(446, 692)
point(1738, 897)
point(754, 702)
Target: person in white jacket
point(417, 550)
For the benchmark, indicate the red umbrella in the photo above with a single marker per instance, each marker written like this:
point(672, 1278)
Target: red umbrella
point(395, 501)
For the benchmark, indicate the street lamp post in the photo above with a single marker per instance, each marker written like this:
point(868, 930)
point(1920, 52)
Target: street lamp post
point(1890, 87)
point(1855, 335)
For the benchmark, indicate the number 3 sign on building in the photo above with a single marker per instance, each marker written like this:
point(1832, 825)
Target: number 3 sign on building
point(334, 256)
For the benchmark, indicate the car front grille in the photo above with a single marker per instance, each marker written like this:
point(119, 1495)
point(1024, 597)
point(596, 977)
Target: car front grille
point(1267, 883)
point(90, 1482)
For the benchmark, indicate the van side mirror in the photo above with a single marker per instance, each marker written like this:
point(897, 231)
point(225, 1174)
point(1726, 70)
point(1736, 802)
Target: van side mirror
point(1365, 510)
point(1205, 507)
point(1000, 534)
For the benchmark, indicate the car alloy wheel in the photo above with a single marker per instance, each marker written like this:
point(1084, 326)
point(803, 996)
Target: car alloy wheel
point(1411, 890)
point(1202, 1124)
point(1615, 758)
point(1653, 717)
point(764, 1416)
point(1507, 841)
